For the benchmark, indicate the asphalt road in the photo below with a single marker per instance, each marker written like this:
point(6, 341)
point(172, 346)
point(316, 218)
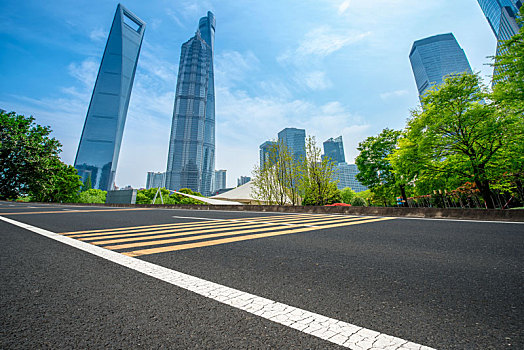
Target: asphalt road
point(443, 284)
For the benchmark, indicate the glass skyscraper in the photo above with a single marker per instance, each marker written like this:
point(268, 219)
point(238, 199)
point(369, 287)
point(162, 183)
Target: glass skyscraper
point(155, 180)
point(501, 16)
point(433, 58)
point(265, 151)
point(345, 174)
point(295, 140)
point(334, 150)
point(99, 148)
point(191, 157)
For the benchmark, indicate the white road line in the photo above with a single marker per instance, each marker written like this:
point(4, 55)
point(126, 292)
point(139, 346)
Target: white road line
point(197, 218)
point(335, 331)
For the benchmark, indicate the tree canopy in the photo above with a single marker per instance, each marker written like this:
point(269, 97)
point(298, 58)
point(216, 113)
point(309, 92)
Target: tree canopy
point(30, 163)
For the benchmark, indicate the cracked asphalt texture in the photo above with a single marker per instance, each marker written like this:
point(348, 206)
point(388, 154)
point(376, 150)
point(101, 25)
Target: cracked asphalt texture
point(444, 284)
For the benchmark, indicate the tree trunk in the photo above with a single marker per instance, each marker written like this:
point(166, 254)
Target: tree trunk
point(404, 197)
point(485, 192)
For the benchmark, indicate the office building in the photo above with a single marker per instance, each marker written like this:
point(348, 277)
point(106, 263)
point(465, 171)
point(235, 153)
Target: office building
point(501, 16)
point(434, 58)
point(334, 150)
point(345, 174)
point(219, 180)
point(243, 180)
point(99, 147)
point(191, 157)
point(265, 151)
point(155, 180)
point(295, 140)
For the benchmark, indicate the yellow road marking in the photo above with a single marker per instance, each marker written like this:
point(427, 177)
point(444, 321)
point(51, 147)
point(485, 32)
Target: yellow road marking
point(192, 223)
point(73, 211)
point(237, 239)
point(194, 236)
point(154, 234)
point(219, 227)
point(168, 227)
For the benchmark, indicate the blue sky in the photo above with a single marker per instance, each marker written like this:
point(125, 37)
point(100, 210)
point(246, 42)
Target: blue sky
point(332, 67)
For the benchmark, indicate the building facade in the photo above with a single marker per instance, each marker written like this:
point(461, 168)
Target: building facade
point(334, 150)
point(99, 147)
point(242, 180)
point(295, 140)
point(191, 157)
point(345, 174)
point(265, 151)
point(219, 180)
point(434, 58)
point(155, 180)
point(501, 16)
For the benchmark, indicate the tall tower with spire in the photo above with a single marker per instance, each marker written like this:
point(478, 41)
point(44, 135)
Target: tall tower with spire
point(191, 157)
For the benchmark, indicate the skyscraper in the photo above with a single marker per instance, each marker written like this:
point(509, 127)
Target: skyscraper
point(334, 150)
point(191, 157)
point(433, 58)
point(99, 147)
point(345, 174)
point(220, 180)
point(265, 151)
point(155, 180)
point(295, 140)
point(501, 16)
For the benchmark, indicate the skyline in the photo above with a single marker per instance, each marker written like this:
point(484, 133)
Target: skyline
point(328, 68)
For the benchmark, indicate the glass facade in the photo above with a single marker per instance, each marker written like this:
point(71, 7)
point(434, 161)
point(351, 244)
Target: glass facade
point(334, 150)
point(155, 180)
point(265, 151)
point(433, 58)
point(220, 180)
point(295, 140)
point(345, 174)
point(191, 157)
point(99, 147)
point(501, 16)
point(242, 180)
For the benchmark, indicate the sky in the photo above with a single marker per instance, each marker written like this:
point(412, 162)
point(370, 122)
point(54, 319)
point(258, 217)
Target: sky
point(331, 67)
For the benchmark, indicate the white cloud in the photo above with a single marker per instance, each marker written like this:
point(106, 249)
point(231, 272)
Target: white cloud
point(343, 7)
point(396, 93)
point(232, 67)
point(98, 34)
point(316, 80)
point(84, 71)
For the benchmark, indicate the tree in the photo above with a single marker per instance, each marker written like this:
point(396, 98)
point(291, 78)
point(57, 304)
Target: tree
point(375, 169)
point(30, 163)
point(508, 89)
point(87, 184)
point(457, 135)
point(347, 195)
point(92, 196)
point(278, 180)
point(316, 177)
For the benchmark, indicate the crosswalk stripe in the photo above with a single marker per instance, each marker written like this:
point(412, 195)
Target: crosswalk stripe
point(155, 235)
point(233, 225)
point(138, 228)
point(194, 236)
point(165, 249)
point(195, 226)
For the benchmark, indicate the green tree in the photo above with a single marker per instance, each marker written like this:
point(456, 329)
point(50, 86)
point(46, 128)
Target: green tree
point(92, 196)
point(278, 180)
point(508, 89)
point(347, 195)
point(374, 165)
point(316, 177)
point(87, 184)
point(30, 163)
point(458, 136)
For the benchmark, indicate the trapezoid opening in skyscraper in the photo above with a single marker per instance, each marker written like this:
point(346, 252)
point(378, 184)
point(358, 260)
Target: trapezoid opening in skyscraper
point(99, 147)
point(191, 156)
